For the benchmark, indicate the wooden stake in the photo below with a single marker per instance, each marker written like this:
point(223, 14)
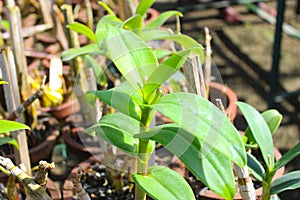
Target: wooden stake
point(12, 97)
point(246, 187)
point(18, 48)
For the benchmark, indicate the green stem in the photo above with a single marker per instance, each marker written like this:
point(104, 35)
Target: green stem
point(143, 158)
point(267, 185)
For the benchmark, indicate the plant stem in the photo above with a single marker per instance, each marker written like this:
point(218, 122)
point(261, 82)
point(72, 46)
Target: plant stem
point(267, 184)
point(143, 155)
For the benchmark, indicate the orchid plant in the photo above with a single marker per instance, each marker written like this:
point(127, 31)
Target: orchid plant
point(201, 136)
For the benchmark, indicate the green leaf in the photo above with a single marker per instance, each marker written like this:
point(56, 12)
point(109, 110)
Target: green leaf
point(255, 167)
point(3, 82)
point(118, 130)
point(164, 183)
point(164, 72)
point(273, 119)
point(132, 56)
point(204, 121)
point(101, 28)
point(134, 22)
point(260, 132)
point(8, 126)
point(143, 6)
point(123, 98)
point(5, 24)
point(161, 53)
point(162, 18)
point(107, 8)
point(209, 165)
point(97, 69)
point(83, 29)
point(288, 181)
point(9, 140)
point(74, 52)
point(288, 156)
point(184, 40)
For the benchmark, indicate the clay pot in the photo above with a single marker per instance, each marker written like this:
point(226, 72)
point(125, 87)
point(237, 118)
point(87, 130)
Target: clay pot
point(227, 96)
point(208, 194)
point(43, 150)
point(66, 109)
point(72, 136)
point(53, 190)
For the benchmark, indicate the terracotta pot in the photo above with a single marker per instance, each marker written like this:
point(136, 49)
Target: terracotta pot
point(53, 190)
point(71, 137)
point(44, 149)
point(208, 194)
point(227, 96)
point(66, 109)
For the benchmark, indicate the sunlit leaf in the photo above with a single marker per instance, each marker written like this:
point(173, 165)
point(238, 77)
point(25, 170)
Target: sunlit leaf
point(134, 23)
point(83, 29)
point(8, 126)
point(184, 40)
point(208, 165)
point(74, 52)
point(118, 130)
point(123, 98)
point(164, 183)
point(107, 8)
point(132, 56)
point(143, 6)
point(162, 18)
point(260, 132)
point(164, 72)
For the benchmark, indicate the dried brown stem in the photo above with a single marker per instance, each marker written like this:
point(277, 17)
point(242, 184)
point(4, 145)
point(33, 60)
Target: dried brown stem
point(20, 109)
point(81, 193)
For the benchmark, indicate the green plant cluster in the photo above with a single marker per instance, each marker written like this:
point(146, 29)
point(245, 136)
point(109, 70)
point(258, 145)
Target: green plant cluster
point(201, 136)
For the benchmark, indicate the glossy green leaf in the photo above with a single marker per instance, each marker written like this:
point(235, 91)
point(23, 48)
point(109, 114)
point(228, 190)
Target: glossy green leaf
point(74, 52)
point(288, 156)
point(162, 18)
point(83, 29)
point(132, 56)
point(8, 126)
point(184, 40)
point(273, 119)
point(257, 170)
point(100, 76)
point(204, 121)
point(101, 28)
point(9, 140)
point(206, 163)
point(118, 130)
point(134, 22)
point(164, 183)
point(121, 100)
point(3, 82)
point(162, 53)
point(288, 181)
point(260, 132)
point(143, 6)
point(164, 72)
